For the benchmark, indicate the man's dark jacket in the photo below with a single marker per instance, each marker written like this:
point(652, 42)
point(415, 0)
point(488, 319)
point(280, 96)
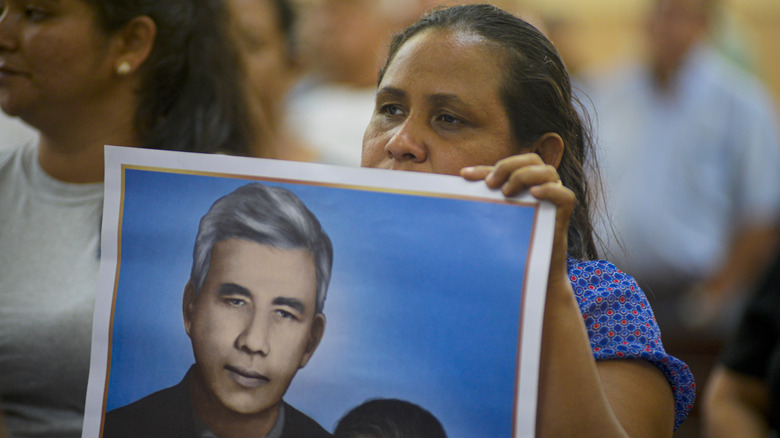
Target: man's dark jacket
point(169, 414)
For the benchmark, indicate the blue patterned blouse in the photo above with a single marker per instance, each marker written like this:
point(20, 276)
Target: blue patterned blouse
point(621, 325)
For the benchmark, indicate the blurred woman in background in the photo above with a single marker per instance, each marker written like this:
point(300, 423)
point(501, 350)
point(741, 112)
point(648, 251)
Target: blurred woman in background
point(86, 73)
point(264, 35)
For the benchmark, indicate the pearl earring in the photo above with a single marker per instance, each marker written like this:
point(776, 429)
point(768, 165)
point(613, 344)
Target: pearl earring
point(123, 68)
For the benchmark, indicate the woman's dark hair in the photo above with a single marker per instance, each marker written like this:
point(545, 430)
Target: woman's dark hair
point(191, 95)
point(536, 93)
point(389, 418)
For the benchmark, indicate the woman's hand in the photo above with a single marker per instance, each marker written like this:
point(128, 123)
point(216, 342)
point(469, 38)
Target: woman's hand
point(528, 171)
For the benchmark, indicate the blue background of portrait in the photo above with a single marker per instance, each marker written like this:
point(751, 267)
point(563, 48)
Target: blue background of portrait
point(423, 304)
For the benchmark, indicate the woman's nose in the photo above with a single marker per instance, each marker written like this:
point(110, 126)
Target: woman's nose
point(407, 144)
point(7, 28)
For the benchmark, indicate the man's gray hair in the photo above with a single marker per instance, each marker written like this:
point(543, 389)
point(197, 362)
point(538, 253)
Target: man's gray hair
point(267, 215)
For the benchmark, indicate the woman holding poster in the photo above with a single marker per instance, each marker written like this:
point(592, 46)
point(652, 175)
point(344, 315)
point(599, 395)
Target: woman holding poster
point(475, 91)
point(85, 73)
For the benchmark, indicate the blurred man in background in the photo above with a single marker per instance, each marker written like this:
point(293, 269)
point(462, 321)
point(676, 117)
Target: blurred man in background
point(690, 158)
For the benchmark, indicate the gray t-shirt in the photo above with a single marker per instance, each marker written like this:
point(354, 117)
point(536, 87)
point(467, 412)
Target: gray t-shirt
point(49, 242)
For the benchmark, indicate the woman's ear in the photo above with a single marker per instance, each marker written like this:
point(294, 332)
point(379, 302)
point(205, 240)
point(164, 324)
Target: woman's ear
point(134, 43)
point(550, 147)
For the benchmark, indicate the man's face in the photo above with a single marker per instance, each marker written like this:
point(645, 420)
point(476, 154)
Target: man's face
point(253, 324)
point(674, 26)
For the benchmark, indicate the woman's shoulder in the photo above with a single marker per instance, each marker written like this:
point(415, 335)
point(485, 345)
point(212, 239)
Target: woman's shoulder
point(600, 276)
point(601, 288)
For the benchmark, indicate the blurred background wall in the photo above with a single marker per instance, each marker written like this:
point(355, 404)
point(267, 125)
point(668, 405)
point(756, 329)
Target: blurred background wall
point(597, 34)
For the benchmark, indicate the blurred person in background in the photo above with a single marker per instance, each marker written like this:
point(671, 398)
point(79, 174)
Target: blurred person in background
point(690, 152)
point(86, 73)
point(264, 32)
point(743, 394)
point(690, 157)
point(343, 43)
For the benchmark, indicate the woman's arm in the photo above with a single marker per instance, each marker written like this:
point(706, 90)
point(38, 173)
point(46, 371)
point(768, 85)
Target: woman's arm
point(577, 396)
point(735, 405)
point(581, 397)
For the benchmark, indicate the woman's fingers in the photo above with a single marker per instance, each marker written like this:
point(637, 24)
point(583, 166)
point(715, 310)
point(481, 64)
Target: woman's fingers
point(555, 192)
point(506, 168)
point(527, 171)
point(514, 174)
point(475, 173)
point(529, 177)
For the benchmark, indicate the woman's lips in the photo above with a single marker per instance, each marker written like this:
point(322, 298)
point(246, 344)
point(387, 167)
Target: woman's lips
point(246, 378)
point(7, 72)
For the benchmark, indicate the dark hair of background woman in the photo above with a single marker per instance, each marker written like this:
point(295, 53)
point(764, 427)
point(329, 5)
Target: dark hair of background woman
point(389, 418)
point(536, 93)
point(191, 97)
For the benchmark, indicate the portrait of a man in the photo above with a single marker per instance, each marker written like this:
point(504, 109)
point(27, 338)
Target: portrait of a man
point(210, 317)
point(253, 311)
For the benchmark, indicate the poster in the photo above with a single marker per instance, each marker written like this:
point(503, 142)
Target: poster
point(435, 297)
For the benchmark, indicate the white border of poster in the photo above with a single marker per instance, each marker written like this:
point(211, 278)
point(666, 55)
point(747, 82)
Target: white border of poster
point(491, 270)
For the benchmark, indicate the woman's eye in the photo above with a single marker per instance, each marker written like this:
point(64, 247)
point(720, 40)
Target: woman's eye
point(450, 119)
point(392, 110)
